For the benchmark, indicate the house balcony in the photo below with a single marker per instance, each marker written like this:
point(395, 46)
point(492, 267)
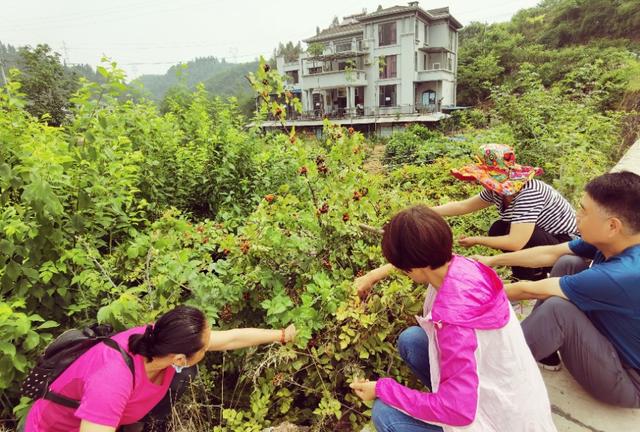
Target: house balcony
point(335, 79)
point(434, 75)
point(429, 49)
point(342, 50)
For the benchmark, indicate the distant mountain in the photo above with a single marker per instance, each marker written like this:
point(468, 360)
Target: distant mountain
point(219, 77)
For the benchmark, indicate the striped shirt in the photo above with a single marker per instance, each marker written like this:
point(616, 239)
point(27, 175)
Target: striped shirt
point(538, 203)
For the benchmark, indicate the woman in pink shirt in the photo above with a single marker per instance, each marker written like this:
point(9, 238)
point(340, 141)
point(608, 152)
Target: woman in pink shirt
point(164, 356)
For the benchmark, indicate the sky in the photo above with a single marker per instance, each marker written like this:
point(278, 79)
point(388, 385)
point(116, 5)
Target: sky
point(149, 36)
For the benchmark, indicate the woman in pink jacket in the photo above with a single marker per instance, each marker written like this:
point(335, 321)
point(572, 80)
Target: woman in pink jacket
point(469, 348)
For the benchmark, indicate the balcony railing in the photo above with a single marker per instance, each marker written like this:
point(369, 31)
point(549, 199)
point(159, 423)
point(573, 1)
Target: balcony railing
point(372, 112)
point(332, 79)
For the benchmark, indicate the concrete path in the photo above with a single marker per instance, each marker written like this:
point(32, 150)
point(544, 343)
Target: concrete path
point(630, 162)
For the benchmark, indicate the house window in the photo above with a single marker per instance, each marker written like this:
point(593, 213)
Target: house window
point(388, 95)
point(426, 34)
point(387, 34)
point(426, 64)
point(315, 70)
point(389, 70)
point(415, 61)
point(293, 77)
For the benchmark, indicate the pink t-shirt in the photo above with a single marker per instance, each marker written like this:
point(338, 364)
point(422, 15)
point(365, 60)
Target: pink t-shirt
point(102, 382)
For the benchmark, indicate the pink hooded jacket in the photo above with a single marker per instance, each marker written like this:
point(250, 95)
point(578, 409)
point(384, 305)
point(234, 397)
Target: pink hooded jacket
point(483, 375)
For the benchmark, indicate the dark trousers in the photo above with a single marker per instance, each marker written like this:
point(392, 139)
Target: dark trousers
point(158, 419)
point(558, 325)
point(539, 237)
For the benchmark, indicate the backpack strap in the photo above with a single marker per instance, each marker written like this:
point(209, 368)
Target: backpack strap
point(125, 355)
point(74, 404)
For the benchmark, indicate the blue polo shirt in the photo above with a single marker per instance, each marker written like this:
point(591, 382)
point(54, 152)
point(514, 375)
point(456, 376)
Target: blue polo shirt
point(609, 294)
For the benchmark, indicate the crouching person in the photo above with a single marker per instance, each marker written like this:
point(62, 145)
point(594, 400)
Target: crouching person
point(469, 348)
point(164, 358)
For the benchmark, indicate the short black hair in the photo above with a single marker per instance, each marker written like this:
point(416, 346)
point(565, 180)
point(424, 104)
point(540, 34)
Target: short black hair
point(619, 194)
point(417, 237)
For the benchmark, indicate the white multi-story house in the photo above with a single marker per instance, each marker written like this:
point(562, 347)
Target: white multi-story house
point(398, 61)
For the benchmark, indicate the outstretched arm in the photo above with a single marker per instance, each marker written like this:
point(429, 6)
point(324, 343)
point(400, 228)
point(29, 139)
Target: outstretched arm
point(226, 340)
point(540, 256)
point(458, 208)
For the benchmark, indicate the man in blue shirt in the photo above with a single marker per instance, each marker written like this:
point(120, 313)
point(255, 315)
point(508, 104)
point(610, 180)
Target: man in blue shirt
point(592, 315)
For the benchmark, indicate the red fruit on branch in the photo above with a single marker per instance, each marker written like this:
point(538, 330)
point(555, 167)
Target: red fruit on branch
point(225, 313)
point(320, 160)
point(327, 264)
point(357, 195)
point(351, 131)
point(322, 169)
point(303, 170)
point(245, 246)
point(324, 209)
point(266, 67)
point(345, 217)
point(225, 251)
point(269, 198)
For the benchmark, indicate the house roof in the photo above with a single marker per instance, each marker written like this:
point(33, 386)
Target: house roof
point(337, 31)
point(357, 28)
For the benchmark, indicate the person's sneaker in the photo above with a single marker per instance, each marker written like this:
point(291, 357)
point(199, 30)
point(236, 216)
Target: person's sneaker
point(551, 363)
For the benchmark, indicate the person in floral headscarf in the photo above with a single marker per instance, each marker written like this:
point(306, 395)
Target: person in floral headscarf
point(531, 213)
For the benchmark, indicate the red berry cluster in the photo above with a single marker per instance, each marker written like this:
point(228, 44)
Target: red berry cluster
point(322, 168)
point(245, 246)
point(324, 208)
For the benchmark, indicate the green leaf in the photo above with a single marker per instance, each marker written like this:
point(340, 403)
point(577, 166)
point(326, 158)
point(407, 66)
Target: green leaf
point(20, 362)
point(31, 341)
point(47, 325)
point(8, 349)
point(133, 252)
point(6, 247)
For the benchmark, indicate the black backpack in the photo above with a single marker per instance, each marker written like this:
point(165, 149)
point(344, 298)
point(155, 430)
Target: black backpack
point(60, 354)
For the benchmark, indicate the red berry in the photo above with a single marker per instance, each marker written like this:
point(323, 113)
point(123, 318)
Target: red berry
point(345, 217)
point(351, 131)
point(245, 246)
point(357, 195)
point(269, 198)
point(324, 209)
point(303, 170)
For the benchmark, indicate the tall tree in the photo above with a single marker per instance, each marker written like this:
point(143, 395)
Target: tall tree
point(46, 82)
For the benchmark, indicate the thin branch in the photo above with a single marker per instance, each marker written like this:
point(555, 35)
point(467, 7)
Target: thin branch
point(371, 229)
